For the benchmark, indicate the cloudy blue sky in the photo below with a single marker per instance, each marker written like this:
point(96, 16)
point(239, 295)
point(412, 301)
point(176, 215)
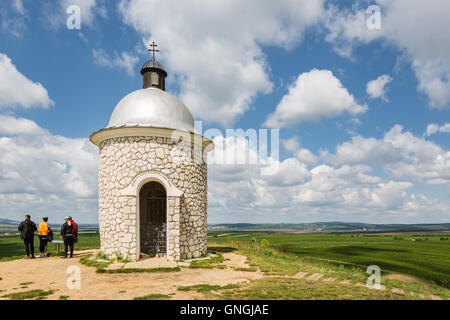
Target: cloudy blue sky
point(363, 113)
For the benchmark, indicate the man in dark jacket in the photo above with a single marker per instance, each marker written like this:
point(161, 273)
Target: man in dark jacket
point(75, 239)
point(27, 229)
point(68, 232)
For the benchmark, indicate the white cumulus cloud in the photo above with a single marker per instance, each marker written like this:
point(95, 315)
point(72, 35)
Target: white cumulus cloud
point(402, 154)
point(16, 90)
point(434, 128)
point(292, 144)
point(348, 192)
point(315, 94)
point(304, 155)
point(125, 60)
point(416, 27)
point(14, 126)
point(377, 88)
point(45, 174)
point(213, 48)
point(339, 191)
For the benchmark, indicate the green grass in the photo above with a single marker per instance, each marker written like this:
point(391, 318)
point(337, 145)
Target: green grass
point(32, 294)
point(153, 296)
point(64, 297)
point(246, 269)
point(295, 289)
point(340, 255)
point(281, 264)
point(12, 247)
point(210, 263)
point(206, 288)
point(428, 260)
point(92, 261)
point(137, 270)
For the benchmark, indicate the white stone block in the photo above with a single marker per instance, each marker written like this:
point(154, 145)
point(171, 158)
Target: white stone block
point(126, 238)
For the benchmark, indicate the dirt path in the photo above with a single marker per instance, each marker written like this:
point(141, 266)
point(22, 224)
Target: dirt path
point(51, 274)
point(404, 278)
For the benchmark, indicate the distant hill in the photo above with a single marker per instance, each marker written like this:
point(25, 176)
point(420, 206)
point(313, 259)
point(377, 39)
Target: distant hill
point(333, 226)
point(10, 226)
point(7, 221)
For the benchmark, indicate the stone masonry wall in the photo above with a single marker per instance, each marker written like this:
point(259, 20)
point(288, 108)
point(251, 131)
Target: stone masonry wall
point(121, 160)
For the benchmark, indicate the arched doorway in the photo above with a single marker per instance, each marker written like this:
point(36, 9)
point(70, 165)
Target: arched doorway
point(153, 219)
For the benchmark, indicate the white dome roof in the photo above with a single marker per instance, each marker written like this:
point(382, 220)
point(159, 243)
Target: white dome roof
point(152, 107)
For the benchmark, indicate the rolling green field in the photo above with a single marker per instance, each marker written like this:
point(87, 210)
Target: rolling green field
point(426, 259)
point(11, 246)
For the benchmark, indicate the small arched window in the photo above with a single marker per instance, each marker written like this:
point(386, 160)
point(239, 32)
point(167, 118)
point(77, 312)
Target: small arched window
point(155, 79)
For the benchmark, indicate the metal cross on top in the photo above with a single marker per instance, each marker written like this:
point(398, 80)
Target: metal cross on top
point(153, 50)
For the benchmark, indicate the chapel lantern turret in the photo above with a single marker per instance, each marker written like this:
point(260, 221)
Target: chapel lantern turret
point(153, 73)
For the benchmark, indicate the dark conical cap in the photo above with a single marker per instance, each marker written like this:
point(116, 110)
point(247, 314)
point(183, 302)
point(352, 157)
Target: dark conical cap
point(151, 65)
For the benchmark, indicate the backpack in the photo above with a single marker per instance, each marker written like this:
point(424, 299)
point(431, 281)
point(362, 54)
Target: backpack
point(50, 235)
point(75, 231)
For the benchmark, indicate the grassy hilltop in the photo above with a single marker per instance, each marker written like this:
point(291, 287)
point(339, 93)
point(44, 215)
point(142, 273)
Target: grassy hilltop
point(427, 257)
point(11, 246)
point(424, 257)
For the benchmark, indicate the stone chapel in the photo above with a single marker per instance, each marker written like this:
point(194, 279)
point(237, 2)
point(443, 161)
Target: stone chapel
point(152, 175)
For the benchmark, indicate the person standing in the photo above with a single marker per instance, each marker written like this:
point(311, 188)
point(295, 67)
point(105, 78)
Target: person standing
point(27, 229)
point(68, 231)
point(75, 239)
point(43, 231)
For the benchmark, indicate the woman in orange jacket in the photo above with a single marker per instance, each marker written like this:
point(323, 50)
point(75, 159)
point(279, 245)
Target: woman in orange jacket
point(43, 231)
